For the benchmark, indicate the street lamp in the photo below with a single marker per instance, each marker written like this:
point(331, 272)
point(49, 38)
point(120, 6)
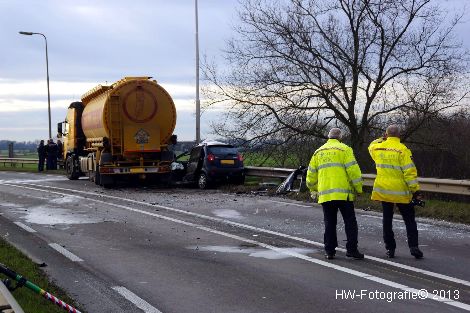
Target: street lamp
point(198, 103)
point(47, 71)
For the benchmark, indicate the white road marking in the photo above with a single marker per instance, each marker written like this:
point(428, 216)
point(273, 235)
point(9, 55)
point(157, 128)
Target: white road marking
point(295, 204)
point(372, 216)
point(25, 227)
point(22, 181)
point(65, 252)
point(138, 302)
point(262, 230)
point(379, 280)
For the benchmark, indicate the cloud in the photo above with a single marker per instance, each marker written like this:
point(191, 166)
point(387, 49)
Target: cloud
point(90, 42)
point(23, 107)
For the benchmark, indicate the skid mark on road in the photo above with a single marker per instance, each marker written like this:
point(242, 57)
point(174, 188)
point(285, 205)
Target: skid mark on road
point(385, 282)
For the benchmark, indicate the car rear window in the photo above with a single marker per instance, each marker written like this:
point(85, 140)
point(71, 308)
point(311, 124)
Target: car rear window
point(223, 150)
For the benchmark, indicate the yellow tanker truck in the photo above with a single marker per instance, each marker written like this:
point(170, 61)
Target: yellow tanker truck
point(122, 129)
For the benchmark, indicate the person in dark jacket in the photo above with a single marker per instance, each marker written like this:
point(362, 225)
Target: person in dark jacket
point(52, 151)
point(46, 151)
point(60, 148)
point(60, 153)
point(41, 155)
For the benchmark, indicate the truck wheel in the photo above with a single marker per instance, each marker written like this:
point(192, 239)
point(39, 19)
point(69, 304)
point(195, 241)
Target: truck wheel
point(202, 181)
point(70, 170)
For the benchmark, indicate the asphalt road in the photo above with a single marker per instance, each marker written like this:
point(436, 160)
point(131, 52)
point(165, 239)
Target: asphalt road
point(183, 250)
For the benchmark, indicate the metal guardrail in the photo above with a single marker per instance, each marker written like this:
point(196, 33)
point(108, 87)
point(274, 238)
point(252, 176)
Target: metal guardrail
point(14, 161)
point(449, 186)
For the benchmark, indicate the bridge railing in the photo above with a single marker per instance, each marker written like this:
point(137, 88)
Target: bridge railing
point(449, 186)
point(15, 161)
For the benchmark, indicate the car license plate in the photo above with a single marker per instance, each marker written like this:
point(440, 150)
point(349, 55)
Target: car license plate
point(137, 170)
point(227, 162)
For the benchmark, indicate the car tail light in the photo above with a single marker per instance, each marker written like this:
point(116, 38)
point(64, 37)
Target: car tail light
point(210, 158)
point(240, 157)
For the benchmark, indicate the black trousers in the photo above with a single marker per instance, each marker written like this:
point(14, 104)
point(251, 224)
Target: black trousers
point(408, 213)
point(41, 164)
point(330, 212)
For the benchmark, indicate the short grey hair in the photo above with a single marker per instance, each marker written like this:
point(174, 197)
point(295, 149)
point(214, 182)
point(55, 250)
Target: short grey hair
point(393, 130)
point(335, 133)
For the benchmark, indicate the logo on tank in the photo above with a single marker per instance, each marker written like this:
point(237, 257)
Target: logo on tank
point(141, 137)
point(140, 105)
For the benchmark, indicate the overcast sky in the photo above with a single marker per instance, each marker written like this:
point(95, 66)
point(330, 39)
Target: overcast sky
point(99, 42)
point(94, 42)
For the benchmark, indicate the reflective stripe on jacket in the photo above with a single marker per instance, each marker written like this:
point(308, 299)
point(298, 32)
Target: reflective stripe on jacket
point(397, 177)
point(334, 173)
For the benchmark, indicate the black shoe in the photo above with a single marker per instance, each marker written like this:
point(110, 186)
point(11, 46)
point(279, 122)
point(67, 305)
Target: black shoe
point(355, 254)
point(329, 256)
point(390, 253)
point(416, 252)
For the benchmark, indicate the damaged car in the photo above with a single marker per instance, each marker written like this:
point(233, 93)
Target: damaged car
point(210, 164)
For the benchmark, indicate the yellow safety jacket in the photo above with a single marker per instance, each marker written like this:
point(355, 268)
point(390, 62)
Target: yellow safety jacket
point(334, 173)
point(397, 177)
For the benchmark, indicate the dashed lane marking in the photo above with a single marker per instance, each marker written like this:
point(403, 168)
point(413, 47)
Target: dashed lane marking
point(65, 252)
point(136, 300)
point(25, 227)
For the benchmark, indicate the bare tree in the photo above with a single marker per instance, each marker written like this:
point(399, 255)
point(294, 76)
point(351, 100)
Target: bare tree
point(297, 67)
point(441, 147)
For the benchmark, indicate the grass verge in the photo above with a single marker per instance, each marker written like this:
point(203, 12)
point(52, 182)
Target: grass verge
point(30, 168)
point(27, 299)
point(19, 168)
point(451, 211)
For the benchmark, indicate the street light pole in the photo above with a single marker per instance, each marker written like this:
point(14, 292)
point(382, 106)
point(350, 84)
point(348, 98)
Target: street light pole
point(198, 103)
point(47, 71)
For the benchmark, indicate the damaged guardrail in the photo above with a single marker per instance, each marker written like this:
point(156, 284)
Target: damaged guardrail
point(449, 186)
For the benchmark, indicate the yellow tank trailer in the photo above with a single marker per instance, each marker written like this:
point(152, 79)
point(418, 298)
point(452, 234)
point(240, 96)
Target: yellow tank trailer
point(121, 129)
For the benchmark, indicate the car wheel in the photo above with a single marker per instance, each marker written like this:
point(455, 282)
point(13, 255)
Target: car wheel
point(202, 181)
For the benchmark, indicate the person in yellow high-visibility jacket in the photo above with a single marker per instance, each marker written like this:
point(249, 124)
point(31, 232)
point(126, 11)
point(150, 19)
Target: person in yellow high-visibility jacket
point(396, 182)
point(335, 176)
